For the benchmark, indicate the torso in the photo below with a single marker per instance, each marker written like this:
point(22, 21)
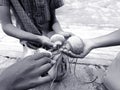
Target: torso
point(39, 13)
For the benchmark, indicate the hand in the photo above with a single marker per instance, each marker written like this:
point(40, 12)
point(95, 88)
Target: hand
point(26, 73)
point(46, 41)
point(87, 48)
point(66, 34)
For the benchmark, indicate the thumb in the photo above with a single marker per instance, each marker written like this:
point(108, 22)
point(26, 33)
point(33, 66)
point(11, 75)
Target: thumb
point(83, 54)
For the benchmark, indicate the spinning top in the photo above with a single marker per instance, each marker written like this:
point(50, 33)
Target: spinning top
point(57, 39)
point(75, 44)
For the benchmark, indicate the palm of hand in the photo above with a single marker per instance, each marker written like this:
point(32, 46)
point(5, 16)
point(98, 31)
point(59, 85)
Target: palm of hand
point(86, 50)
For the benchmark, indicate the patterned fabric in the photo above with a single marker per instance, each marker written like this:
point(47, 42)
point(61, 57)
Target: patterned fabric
point(26, 22)
point(4, 2)
point(33, 15)
point(38, 11)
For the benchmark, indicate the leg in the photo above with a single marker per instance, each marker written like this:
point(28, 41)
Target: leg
point(26, 50)
point(112, 78)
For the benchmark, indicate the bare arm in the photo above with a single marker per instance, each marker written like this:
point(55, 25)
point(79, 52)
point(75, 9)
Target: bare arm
point(57, 27)
point(111, 39)
point(13, 31)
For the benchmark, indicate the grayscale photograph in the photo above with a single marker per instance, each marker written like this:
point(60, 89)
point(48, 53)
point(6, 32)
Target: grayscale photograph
point(59, 44)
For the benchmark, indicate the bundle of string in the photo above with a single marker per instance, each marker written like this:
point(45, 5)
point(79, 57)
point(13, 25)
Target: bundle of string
point(59, 60)
point(69, 62)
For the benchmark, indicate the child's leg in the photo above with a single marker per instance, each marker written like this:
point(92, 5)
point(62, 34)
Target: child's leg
point(26, 50)
point(112, 78)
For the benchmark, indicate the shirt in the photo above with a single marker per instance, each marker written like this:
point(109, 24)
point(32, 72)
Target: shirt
point(38, 11)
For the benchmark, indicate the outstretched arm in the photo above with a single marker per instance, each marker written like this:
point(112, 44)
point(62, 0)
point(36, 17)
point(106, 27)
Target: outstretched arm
point(111, 39)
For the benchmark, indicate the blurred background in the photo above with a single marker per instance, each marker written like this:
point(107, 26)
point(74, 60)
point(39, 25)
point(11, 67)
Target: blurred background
point(92, 12)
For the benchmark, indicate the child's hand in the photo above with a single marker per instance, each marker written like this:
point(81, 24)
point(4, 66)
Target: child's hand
point(46, 41)
point(66, 34)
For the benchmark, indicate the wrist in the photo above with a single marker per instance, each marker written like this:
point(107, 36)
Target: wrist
point(95, 43)
point(91, 43)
